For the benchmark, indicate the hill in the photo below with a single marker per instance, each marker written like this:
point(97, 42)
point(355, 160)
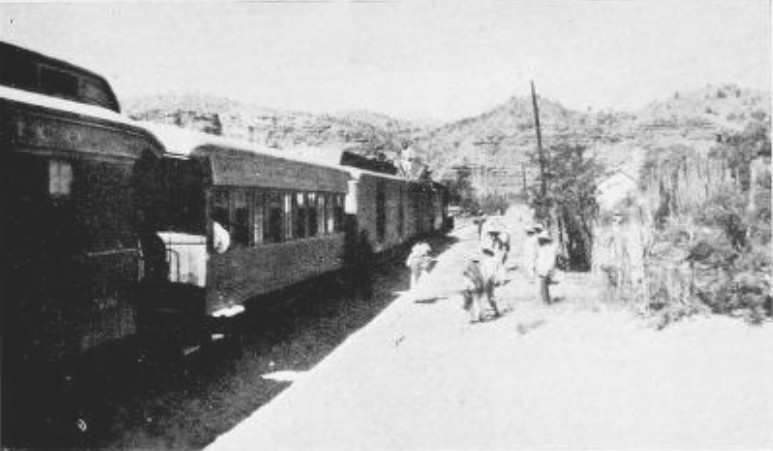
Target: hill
point(496, 146)
point(366, 134)
point(493, 147)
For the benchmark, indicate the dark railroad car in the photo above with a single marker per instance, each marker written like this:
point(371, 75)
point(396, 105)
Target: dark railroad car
point(70, 253)
point(30, 71)
point(238, 221)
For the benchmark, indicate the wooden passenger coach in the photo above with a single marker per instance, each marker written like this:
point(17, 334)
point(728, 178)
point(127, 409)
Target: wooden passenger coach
point(391, 209)
point(71, 250)
point(283, 220)
point(394, 211)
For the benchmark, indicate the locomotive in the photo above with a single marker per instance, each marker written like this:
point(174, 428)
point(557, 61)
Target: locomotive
point(119, 233)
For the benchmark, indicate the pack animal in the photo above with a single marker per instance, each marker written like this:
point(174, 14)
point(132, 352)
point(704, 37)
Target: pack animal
point(479, 282)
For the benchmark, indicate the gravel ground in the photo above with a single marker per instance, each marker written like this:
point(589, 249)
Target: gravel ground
point(578, 374)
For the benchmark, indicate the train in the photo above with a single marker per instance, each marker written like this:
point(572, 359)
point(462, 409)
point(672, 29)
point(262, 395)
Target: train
point(284, 221)
point(118, 233)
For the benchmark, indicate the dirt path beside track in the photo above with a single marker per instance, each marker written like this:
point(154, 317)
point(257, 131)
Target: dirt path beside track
point(577, 374)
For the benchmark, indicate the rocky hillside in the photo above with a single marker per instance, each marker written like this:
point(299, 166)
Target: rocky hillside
point(364, 133)
point(495, 146)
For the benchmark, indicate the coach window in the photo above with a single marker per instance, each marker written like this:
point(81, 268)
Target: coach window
point(289, 217)
point(311, 209)
point(59, 178)
point(321, 219)
point(219, 211)
point(330, 212)
point(259, 217)
point(274, 230)
point(300, 214)
point(338, 225)
point(240, 219)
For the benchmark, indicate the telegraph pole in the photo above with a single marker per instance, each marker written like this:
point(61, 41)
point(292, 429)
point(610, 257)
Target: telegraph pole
point(542, 162)
point(523, 174)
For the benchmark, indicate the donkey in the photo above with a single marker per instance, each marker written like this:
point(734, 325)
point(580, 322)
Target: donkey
point(479, 281)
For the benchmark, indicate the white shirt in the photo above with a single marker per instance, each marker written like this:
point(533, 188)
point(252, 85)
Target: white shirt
point(546, 259)
point(222, 239)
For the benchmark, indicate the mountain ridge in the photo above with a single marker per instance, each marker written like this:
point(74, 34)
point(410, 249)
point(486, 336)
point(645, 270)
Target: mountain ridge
point(496, 143)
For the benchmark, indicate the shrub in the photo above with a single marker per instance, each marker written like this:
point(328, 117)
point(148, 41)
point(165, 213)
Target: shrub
point(697, 237)
point(759, 115)
point(569, 203)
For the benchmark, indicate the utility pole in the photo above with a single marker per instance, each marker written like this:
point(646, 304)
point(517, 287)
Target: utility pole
point(542, 162)
point(525, 190)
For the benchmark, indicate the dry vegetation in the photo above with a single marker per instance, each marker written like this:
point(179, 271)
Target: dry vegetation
point(696, 235)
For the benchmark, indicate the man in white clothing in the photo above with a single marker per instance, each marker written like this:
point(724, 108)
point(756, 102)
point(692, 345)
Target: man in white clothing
point(418, 262)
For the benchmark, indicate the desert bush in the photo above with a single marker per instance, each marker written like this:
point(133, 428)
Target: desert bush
point(697, 236)
point(569, 203)
point(759, 115)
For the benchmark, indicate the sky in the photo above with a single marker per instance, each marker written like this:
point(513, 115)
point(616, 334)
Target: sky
point(440, 60)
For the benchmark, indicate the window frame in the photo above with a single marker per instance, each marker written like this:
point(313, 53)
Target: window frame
point(59, 185)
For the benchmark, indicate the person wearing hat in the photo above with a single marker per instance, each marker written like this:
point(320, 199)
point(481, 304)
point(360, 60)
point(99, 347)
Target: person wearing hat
point(418, 262)
point(545, 264)
point(495, 243)
point(478, 282)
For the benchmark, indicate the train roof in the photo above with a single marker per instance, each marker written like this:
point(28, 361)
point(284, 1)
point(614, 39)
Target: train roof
point(63, 105)
point(28, 70)
point(44, 112)
point(332, 157)
point(236, 162)
point(185, 143)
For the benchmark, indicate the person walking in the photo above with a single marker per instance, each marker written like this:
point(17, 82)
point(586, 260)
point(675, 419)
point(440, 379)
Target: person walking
point(418, 262)
point(495, 243)
point(545, 264)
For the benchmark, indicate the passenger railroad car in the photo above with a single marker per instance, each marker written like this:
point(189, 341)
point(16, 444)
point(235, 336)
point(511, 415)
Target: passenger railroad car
point(238, 222)
point(70, 253)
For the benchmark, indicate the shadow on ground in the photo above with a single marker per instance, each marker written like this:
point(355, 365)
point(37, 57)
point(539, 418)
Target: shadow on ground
point(185, 403)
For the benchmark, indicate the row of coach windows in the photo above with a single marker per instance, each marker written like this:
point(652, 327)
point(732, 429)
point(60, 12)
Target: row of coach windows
point(254, 217)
